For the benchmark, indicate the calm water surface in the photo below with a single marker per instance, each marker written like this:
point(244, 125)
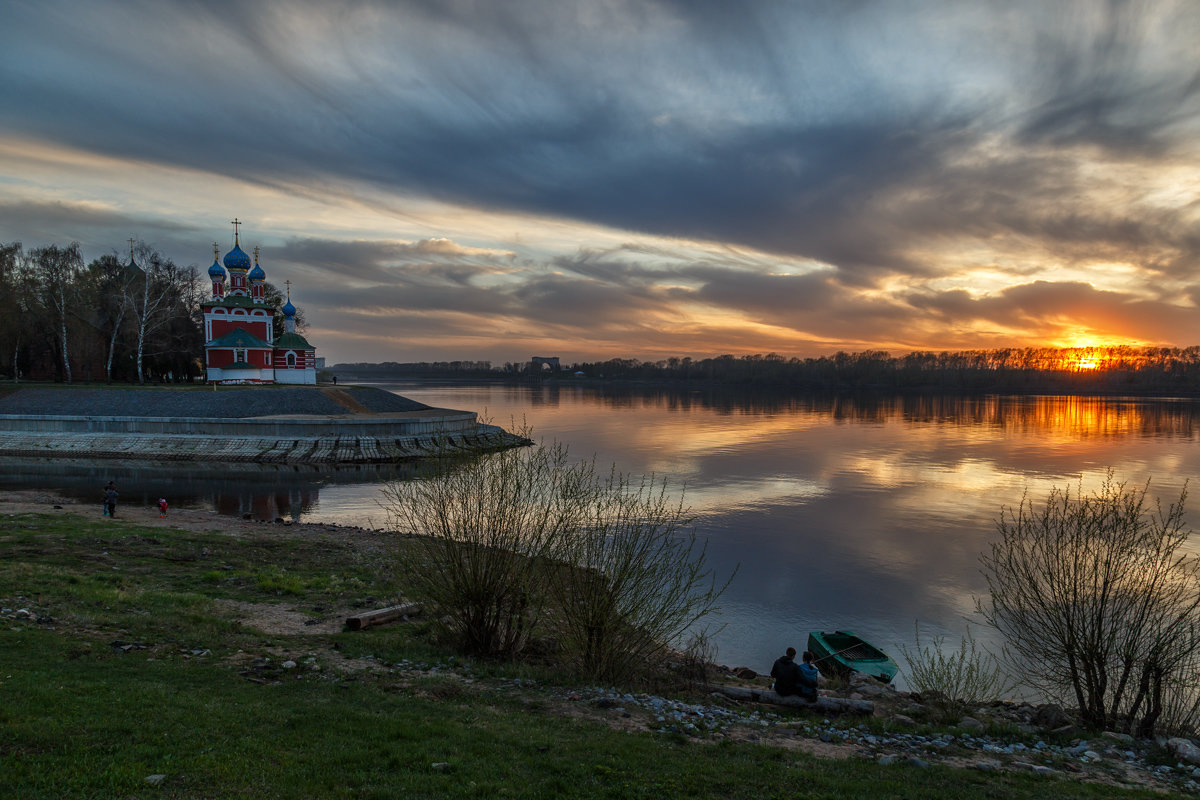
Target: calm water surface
point(867, 514)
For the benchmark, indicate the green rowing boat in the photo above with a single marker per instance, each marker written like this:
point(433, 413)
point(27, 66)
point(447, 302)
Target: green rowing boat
point(840, 652)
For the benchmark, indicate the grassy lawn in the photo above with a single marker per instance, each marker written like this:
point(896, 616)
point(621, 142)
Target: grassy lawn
point(136, 668)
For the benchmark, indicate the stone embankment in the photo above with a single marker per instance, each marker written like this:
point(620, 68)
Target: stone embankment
point(292, 425)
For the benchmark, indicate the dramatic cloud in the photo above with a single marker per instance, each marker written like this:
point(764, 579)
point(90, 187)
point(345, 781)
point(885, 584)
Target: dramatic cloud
point(633, 178)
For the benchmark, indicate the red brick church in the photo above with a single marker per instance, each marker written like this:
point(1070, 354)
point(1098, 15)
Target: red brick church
point(239, 327)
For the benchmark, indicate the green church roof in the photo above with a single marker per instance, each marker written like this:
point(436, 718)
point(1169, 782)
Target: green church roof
point(292, 341)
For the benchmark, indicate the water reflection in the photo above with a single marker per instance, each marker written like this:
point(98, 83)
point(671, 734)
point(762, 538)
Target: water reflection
point(861, 512)
point(255, 491)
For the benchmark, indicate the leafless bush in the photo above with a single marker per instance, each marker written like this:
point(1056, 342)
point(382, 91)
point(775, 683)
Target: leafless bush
point(640, 579)
point(508, 540)
point(485, 526)
point(1093, 595)
point(966, 677)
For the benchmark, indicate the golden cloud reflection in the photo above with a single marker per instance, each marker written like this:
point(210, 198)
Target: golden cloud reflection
point(738, 495)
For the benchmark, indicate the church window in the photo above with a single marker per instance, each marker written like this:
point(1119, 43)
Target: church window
point(291, 359)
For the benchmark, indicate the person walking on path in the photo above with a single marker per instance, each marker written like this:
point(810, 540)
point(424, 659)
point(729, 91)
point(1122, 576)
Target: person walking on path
point(162, 506)
point(110, 500)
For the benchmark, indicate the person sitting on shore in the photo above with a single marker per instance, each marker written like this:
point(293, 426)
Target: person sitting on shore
point(810, 678)
point(786, 673)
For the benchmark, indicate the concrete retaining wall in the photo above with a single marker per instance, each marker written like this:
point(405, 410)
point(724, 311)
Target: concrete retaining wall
point(362, 439)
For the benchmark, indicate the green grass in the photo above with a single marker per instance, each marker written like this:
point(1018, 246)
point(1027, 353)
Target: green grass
point(82, 718)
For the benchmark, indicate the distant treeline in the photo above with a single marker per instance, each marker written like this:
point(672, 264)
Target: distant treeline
point(1154, 370)
point(462, 369)
point(132, 317)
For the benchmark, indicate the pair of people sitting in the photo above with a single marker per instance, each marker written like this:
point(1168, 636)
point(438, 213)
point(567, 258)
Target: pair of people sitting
point(793, 678)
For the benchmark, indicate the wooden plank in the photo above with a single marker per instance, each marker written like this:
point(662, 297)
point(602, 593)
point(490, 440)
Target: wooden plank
point(823, 704)
point(382, 616)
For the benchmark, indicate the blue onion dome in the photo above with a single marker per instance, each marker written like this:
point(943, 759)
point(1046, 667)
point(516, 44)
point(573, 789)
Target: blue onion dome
point(216, 270)
point(289, 310)
point(257, 274)
point(236, 259)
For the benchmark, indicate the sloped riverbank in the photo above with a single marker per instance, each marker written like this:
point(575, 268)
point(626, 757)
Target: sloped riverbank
point(209, 654)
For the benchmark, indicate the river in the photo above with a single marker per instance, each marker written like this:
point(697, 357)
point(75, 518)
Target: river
point(867, 514)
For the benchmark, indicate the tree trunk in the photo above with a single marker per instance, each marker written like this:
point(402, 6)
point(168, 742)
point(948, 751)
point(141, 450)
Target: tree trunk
point(62, 320)
point(142, 318)
point(823, 703)
point(112, 344)
point(1154, 706)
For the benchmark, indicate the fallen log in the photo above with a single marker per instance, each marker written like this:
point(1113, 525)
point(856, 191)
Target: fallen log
point(382, 616)
point(823, 704)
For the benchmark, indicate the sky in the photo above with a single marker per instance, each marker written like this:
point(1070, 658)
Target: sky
point(443, 180)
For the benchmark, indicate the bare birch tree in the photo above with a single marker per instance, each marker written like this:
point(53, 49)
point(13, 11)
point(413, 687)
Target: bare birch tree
point(57, 270)
point(12, 291)
point(150, 297)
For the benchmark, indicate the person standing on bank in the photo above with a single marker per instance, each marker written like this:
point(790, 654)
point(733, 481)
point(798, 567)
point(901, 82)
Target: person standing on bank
point(110, 499)
point(786, 673)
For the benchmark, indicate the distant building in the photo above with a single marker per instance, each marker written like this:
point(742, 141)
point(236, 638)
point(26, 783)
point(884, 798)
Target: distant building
point(239, 327)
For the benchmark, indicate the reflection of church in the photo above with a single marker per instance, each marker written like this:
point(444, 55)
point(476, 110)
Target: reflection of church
point(239, 327)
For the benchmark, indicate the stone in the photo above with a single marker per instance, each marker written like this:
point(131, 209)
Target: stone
point(440, 766)
point(1119, 737)
point(971, 724)
point(745, 673)
point(913, 761)
point(886, 760)
point(155, 780)
point(289, 664)
point(1050, 716)
point(1092, 755)
point(1184, 750)
point(901, 719)
point(987, 765)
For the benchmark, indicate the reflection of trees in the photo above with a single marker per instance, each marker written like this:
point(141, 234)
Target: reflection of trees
point(1070, 415)
point(262, 491)
point(1031, 369)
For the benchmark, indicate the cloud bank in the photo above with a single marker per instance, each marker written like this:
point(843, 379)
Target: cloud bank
point(466, 180)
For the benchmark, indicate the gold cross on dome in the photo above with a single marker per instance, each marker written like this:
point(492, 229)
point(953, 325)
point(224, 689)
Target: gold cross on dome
point(235, 225)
